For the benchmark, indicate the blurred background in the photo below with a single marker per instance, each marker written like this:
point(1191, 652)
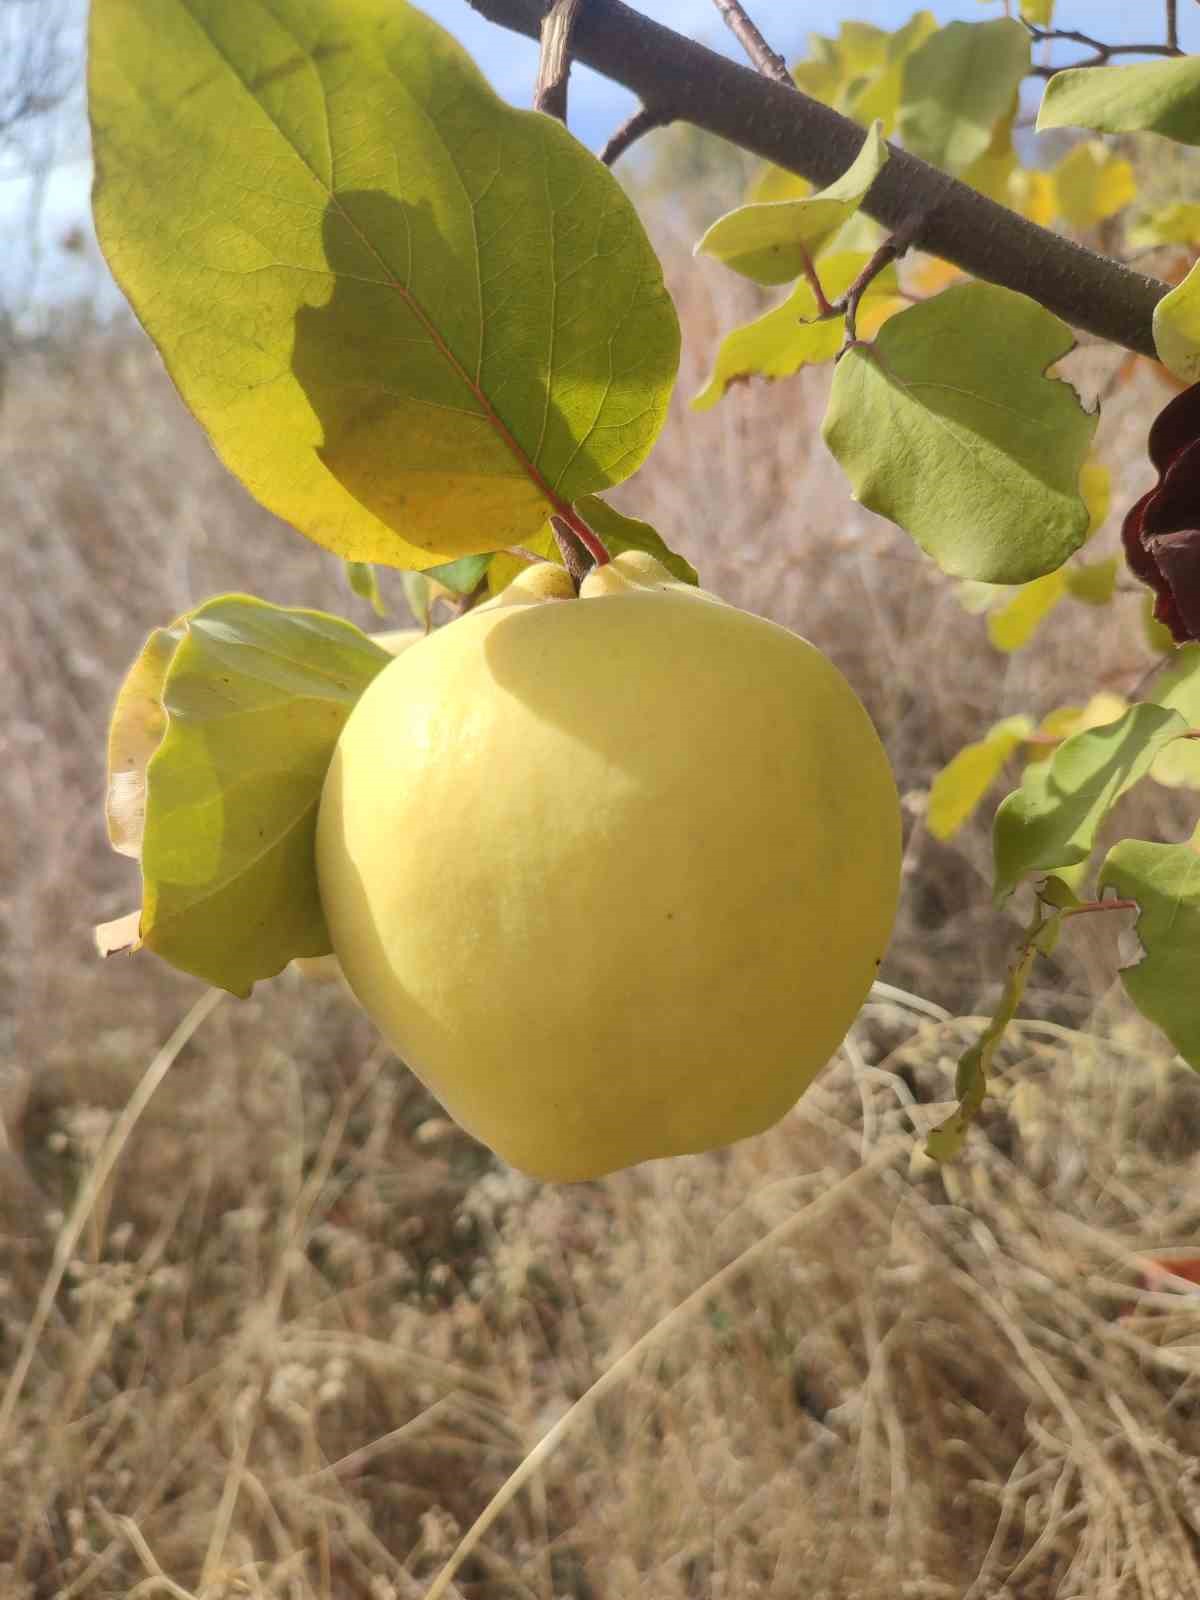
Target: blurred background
point(288, 1330)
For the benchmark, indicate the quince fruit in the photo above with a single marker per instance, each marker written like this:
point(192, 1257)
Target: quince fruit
point(612, 873)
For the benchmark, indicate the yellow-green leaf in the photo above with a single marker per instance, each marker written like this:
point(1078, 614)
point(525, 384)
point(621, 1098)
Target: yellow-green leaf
point(777, 183)
point(411, 318)
point(788, 337)
point(1178, 686)
point(360, 575)
point(958, 86)
point(1092, 184)
point(1093, 582)
point(1173, 224)
point(949, 425)
point(1177, 328)
point(254, 697)
point(1153, 97)
point(962, 783)
point(1014, 624)
point(1051, 820)
point(134, 734)
point(1095, 485)
point(770, 243)
point(1164, 879)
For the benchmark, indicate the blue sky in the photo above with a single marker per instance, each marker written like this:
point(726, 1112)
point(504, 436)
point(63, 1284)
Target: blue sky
point(49, 275)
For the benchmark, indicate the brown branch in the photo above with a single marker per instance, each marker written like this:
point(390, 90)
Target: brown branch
point(644, 120)
point(675, 76)
point(752, 42)
point(1173, 23)
point(554, 63)
point(890, 250)
point(1102, 53)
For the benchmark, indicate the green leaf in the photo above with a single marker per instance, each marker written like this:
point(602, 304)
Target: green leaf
point(963, 782)
point(1039, 12)
point(1178, 686)
point(1152, 97)
point(949, 426)
point(460, 577)
point(1051, 820)
point(770, 243)
point(878, 96)
point(1159, 638)
point(1092, 184)
point(412, 319)
point(254, 698)
point(788, 337)
point(362, 580)
point(1092, 582)
point(1177, 328)
point(1164, 879)
point(1011, 626)
point(958, 86)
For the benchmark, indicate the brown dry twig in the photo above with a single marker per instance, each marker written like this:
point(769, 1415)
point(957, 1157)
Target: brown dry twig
point(768, 62)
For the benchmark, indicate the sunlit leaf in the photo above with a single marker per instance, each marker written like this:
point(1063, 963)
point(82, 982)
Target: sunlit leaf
point(770, 243)
point(1177, 328)
point(878, 97)
point(1093, 582)
point(992, 172)
point(254, 698)
point(1012, 625)
point(135, 733)
point(1178, 686)
point(1155, 97)
point(788, 337)
point(1034, 195)
point(949, 426)
point(1173, 224)
point(1092, 183)
point(777, 183)
point(1063, 721)
point(409, 317)
point(1164, 879)
point(931, 275)
point(1051, 820)
point(1039, 12)
point(957, 86)
point(962, 783)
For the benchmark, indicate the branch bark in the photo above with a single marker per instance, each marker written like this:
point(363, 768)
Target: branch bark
point(676, 78)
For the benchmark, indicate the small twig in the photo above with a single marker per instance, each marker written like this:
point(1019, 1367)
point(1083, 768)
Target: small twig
point(825, 307)
point(554, 63)
point(1102, 53)
point(1086, 906)
point(753, 43)
point(1173, 23)
point(644, 120)
point(890, 250)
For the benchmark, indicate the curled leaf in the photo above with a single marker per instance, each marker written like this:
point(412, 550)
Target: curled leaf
point(1161, 531)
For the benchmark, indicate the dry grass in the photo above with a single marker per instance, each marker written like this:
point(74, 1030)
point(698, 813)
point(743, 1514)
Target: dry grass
point(277, 1329)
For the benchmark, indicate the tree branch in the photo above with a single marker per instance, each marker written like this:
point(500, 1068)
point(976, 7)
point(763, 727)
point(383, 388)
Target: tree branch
point(642, 121)
point(752, 42)
point(677, 78)
point(554, 63)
